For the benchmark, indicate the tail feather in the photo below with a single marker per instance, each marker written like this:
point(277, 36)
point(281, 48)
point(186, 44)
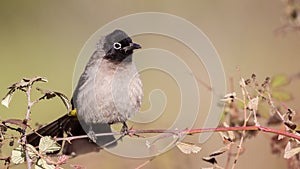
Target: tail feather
point(53, 129)
point(70, 126)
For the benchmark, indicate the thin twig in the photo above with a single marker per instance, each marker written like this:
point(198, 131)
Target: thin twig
point(144, 164)
point(24, 141)
point(229, 156)
point(191, 132)
point(245, 97)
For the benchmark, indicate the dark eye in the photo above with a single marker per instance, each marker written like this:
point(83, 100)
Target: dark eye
point(117, 45)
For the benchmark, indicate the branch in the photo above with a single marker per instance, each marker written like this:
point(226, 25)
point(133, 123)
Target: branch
point(27, 118)
point(191, 132)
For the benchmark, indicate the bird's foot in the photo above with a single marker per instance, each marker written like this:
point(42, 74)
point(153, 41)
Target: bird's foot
point(91, 134)
point(125, 130)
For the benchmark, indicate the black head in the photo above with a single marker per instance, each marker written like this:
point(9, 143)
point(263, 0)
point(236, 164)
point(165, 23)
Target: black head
point(118, 46)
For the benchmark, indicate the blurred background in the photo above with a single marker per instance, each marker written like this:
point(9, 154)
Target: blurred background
point(44, 38)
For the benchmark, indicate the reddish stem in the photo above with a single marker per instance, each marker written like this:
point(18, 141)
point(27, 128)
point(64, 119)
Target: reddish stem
point(220, 129)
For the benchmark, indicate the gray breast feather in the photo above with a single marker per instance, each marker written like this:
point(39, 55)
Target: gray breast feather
point(111, 92)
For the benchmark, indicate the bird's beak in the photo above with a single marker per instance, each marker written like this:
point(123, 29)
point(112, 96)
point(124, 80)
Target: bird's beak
point(132, 46)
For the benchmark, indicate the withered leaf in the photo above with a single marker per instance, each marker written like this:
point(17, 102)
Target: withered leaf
point(211, 160)
point(188, 148)
point(36, 79)
point(278, 144)
point(7, 98)
point(17, 122)
point(291, 113)
point(289, 151)
point(290, 125)
point(225, 138)
point(230, 137)
point(49, 94)
point(274, 119)
point(253, 104)
point(229, 97)
point(65, 100)
point(22, 85)
point(220, 151)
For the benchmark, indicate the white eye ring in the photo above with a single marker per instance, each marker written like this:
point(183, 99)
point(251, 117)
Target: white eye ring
point(117, 45)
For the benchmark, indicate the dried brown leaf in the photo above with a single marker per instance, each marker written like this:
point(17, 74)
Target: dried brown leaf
point(253, 104)
point(49, 94)
point(210, 160)
point(188, 148)
point(220, 151)
point(22, 85)
point(291, 125)
point(274, 119)
point(289, 151)
point(17, 122)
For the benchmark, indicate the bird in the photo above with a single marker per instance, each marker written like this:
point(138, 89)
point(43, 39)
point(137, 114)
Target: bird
point(109, 91)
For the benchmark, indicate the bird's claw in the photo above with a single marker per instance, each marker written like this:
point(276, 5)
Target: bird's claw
point(92, 136)
point(125, 130)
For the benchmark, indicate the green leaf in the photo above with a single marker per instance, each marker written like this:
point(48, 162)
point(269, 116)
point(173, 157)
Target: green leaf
point(239, 104)
point(280, 80)
point(281, 95)
point(33, 153)
point(18, 155)
point(42, 164)
point(48, 145)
